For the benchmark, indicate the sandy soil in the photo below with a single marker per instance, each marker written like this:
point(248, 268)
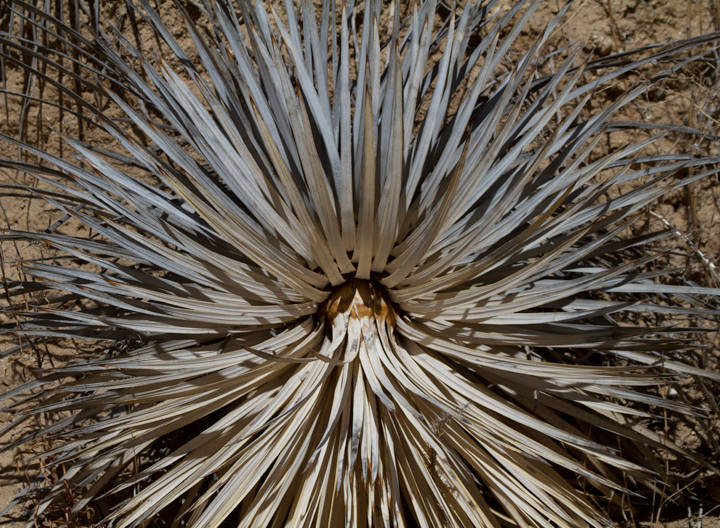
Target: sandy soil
point(607, 26)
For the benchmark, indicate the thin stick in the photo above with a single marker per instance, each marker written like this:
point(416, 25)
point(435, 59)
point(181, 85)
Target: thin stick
point(711, 268)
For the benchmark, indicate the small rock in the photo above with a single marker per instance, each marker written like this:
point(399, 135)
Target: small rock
point(656, 94)
point(600, 45)
point(603, 45)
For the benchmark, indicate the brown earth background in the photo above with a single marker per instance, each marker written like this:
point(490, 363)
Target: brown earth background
point(689, 98)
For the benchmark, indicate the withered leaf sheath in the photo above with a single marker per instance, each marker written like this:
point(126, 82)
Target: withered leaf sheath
point(365, 280)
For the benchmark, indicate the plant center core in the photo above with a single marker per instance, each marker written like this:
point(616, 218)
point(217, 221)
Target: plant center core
point(361, 299)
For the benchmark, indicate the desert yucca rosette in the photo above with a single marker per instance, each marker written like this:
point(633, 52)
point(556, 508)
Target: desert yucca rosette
point(366, 318)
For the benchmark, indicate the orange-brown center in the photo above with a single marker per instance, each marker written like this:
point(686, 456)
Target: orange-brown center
point(360, 299)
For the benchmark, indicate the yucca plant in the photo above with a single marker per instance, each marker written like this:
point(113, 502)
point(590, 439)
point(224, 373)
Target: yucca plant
point(353, 268)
